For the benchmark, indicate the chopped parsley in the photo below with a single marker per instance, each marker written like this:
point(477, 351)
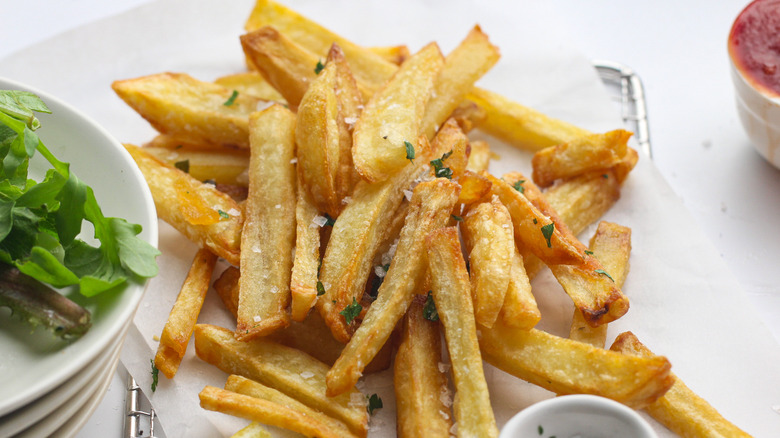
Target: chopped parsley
point(519, 186)
point(438, 165)
point(155, 375)
point(588, 252)
point(231, 99)
point(409, 151)
point(457, 218)
point(605, 176)
point(547, 232)
point(535, 221)
point(540, 429)
point(374, 403)
point(223, 214)
point(351, 311)
point(429, 310)
point(319, 67)
point(329, 221)
point(183, 165)
point(320, 288)
point(603, 272)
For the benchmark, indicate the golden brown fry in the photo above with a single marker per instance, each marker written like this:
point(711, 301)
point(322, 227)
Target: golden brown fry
point(193, 208)
point(474, 187)
point(564, 366)
point(479, 158)
point(328, 425)
point(252, 430)
point(226, 287)
point(268, 236)
point(288, 67)
point(430, 208)
point(357, 235)
point(251, 83)
point(590, 287)
point(471, 59)
point(468, 115)
point(222, 166)
point(184, 314)
point(533, 229)
point(625, 166)
point(420, 384)
point(680, 409)
point(303, 279)
point(255, 409)
point(488, 237)
point(581, 201)
point(586, 154)
point(190, 110)
point(450, 287)
point(519, 309)
point(392, 118)
point(393, 54)
point(455, 143)
point(281, 368)
point(520, 126)
point(324, 137)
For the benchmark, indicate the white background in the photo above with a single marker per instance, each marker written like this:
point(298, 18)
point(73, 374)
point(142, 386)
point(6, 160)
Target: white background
point(678, 49)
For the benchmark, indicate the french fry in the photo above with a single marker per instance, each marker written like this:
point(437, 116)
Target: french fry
point(288, 67)
point(251, 83)
point(268, 236)
point(450, 287)
point(471, 59)
point(430, 208)
point(479, 158)
point(468, 115)
point(474, 187)
point(356, 236)
point(392, 54)
point(420, 384)
point(519, 309)
point(565, 366)
point(590, 153)
point(328, 426)
point(581, 201)
point(534, 230)
point(681, 410)
point(488, 237)
point(451, 137)
point(520, 126)
point(191, 110)
point(281, 368)
point(181, 321)
point(303, 278)
point(323, 137)
point(192, 207)
point(222, 166)
point(611, 245)
point(311, 335)
point(392, 118)
point(255, 409)
point(252, 430)
point(591, 288)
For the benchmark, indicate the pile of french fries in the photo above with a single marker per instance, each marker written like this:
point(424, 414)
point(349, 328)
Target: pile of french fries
point(361, 226)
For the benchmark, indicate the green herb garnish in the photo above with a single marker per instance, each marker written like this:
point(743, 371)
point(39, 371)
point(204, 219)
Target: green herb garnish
point(540, 429)
point(603, 272)
point(155, 375)
point(374, 403)
point(438, 165)
point(39, 221)
point(547, 232)
point(320, 288)
point(223, 214)
point(409, 151)
point(231, 99)
point(588, 252)
point(329, 221)
point(183, 165)
point(519, 186)
point(429, 309)
point(457, 218)
point(319, 67)
point(351, 311)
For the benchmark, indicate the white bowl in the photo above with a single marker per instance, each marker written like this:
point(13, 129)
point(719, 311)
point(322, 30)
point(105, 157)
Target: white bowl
point(34, 362)
point(584, 416)
point(759, 111)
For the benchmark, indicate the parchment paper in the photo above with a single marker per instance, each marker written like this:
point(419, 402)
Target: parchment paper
point(685, 303)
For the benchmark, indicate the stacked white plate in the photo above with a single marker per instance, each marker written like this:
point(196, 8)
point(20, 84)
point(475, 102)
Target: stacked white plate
point(50, 386)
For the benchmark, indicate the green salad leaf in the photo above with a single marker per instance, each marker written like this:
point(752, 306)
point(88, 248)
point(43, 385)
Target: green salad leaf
point(40, 221)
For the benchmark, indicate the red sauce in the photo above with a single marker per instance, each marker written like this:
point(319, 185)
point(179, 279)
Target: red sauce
point(754, 44)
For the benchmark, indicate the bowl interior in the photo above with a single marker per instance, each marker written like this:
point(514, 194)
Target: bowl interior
point(33, 361)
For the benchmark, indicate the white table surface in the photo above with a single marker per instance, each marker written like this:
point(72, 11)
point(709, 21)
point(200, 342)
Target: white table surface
point(679, 51)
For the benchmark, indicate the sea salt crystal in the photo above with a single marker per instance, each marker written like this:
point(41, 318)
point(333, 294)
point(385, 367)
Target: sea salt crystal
point(346, 200)
point(294, 160)
point(408, 195)
point(454, 429)
point(444, 367)
point(257, 318)
point(307, 374)
point(445, 397)
point(278, 206)
point(264, 104)
point(379, 271)
point(320, 221)
point(444, 415)
point(274, 289)
point(350, 120)
point(234, 212)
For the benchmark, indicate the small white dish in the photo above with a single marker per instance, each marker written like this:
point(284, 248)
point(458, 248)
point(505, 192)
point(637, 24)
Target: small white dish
point(580, 415)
